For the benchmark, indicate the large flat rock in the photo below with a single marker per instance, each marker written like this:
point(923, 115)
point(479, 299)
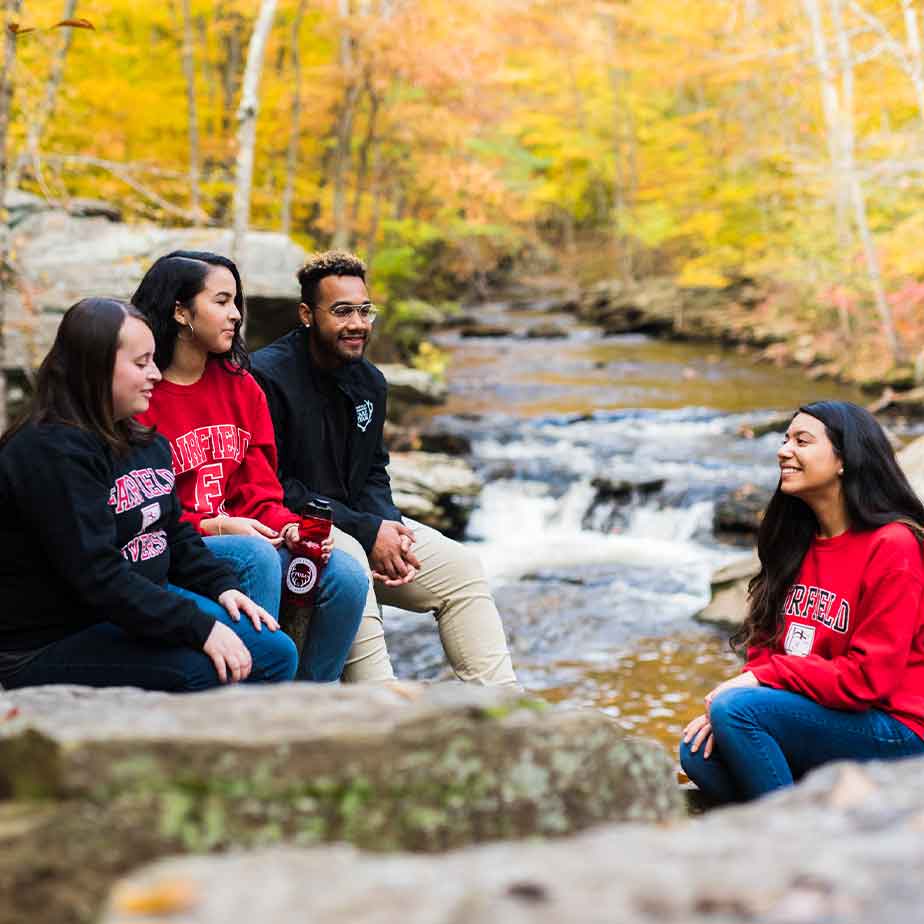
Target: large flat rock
point(126, 776)
point(61, 258)
point(844, 847)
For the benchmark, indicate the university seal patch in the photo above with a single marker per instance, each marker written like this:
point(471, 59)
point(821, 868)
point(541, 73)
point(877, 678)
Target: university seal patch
point(363, 415)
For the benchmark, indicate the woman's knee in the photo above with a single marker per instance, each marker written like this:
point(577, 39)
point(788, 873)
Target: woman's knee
point(275, 658)
point(346, 579)
point(733, 707)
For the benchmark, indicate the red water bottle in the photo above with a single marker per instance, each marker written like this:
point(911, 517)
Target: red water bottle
point(304, 570)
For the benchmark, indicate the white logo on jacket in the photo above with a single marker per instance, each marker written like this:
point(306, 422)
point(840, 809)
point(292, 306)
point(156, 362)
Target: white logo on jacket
point(363, 415)
point(799, 639)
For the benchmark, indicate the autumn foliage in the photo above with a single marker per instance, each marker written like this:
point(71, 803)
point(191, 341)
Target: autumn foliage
point(441, 139)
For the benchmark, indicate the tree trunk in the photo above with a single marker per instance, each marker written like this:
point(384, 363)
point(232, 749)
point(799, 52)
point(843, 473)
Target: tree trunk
point(12, 9)
point(362, 167)
point(849, 171)
point(192, 118)
point(247, 127)
point(295, 117)
point(915, 58)
point(344, 132)
point(44, 112)
point(830, 106)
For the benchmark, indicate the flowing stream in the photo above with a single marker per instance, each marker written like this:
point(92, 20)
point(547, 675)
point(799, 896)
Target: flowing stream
point(598, 594)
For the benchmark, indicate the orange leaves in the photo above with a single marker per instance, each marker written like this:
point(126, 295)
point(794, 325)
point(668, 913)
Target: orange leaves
point(16, 29)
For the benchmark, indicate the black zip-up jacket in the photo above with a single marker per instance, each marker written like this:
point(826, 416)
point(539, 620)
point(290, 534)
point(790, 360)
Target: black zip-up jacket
point(300, 400)
point(88, 537)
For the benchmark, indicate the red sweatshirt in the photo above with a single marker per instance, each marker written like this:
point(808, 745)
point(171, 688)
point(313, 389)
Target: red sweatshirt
point(853, 635)
point(223, 447)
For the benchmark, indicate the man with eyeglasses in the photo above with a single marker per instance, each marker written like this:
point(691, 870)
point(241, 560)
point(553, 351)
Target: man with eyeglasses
point(328, 408)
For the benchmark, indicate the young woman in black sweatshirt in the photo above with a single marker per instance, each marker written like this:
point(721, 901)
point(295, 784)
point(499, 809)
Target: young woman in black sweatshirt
point(101, 582)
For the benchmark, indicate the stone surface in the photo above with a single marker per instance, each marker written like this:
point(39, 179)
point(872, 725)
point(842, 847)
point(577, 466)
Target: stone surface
point(413, 386)
point(741, 509)
point(126, 776)
point(434, 488)
point(728, 606)
point(843, 847)
point(61, 258)
point(547, 331)
point(911, 459)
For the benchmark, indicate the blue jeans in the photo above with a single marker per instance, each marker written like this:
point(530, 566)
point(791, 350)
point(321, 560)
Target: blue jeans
point(338, 607)
point(105, 655)
point(338, 611)
point(766, 738)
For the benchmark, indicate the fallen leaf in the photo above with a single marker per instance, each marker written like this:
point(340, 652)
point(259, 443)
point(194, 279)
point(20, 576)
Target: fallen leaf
point(168, 896)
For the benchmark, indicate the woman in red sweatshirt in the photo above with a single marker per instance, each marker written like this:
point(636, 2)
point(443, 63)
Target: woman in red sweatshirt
point(216, 420)
point(835, 629)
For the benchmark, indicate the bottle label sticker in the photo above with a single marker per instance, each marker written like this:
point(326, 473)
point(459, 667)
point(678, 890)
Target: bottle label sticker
point(301, 575)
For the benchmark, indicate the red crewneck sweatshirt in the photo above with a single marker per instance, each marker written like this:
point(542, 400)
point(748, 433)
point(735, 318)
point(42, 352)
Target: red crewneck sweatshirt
point(853, 634)
point(223, 447)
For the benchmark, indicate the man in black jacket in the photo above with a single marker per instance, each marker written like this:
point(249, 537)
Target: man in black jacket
point(328, 408)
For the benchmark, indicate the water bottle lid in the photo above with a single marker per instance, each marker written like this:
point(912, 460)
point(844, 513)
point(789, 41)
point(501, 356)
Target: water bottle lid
point(317, 507)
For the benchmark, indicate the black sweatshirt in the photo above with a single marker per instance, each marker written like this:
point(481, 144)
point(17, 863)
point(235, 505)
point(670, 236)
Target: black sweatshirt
point(87, 536)
point(329, 434)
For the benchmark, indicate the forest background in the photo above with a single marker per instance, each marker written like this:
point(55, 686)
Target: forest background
point(453, 143)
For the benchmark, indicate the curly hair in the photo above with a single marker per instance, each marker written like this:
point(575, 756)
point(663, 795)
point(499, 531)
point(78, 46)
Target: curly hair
point(329, 263)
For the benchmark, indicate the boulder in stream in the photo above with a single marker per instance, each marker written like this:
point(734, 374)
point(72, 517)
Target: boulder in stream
point(412, 386)
point(741, 510)
point(845, 846)
point(123, 776)
point(437, 489)
point(729, 603)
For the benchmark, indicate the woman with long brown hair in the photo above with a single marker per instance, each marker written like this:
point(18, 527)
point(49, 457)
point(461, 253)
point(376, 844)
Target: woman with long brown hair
point(102, 583)
point(835, 630)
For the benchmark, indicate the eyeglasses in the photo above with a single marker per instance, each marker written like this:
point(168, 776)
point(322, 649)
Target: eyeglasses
point(367, 311)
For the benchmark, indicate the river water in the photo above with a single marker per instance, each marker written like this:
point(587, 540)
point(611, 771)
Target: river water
point(598, 598)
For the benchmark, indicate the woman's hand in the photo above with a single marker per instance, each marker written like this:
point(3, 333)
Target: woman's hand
point(289, 535)
point(236, 603)
point(699, 731)
point(228, 653)
point(747, 679)
point(240, 526)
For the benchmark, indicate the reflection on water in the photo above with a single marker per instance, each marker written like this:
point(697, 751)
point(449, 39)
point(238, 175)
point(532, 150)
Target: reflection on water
point(653, 690)
point(589, 372)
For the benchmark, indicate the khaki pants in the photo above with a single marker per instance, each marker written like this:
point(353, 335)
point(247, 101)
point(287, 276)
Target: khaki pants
point(450, 584)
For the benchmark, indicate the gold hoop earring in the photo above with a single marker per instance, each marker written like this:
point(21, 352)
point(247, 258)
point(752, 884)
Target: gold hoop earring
point(192, 332)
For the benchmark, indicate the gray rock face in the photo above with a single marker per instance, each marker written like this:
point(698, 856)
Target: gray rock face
point(62, 257)
point(434, 488)
point(729, 604)
point(911, 459)
point(127, 776)
point(413, 386)
point(843, 847)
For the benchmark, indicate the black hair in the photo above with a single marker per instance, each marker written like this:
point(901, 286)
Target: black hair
point(176, 278)
point(329, 263)
point(876, 492)
point(74, 383)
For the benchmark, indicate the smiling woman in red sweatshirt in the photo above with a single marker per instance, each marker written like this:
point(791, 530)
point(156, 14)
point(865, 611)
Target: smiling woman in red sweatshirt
point(216, 420)
point(835, 629)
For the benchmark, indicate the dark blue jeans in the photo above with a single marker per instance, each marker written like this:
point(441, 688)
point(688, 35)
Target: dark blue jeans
point(106, 656)
point(338, 606)
point(766, 738)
